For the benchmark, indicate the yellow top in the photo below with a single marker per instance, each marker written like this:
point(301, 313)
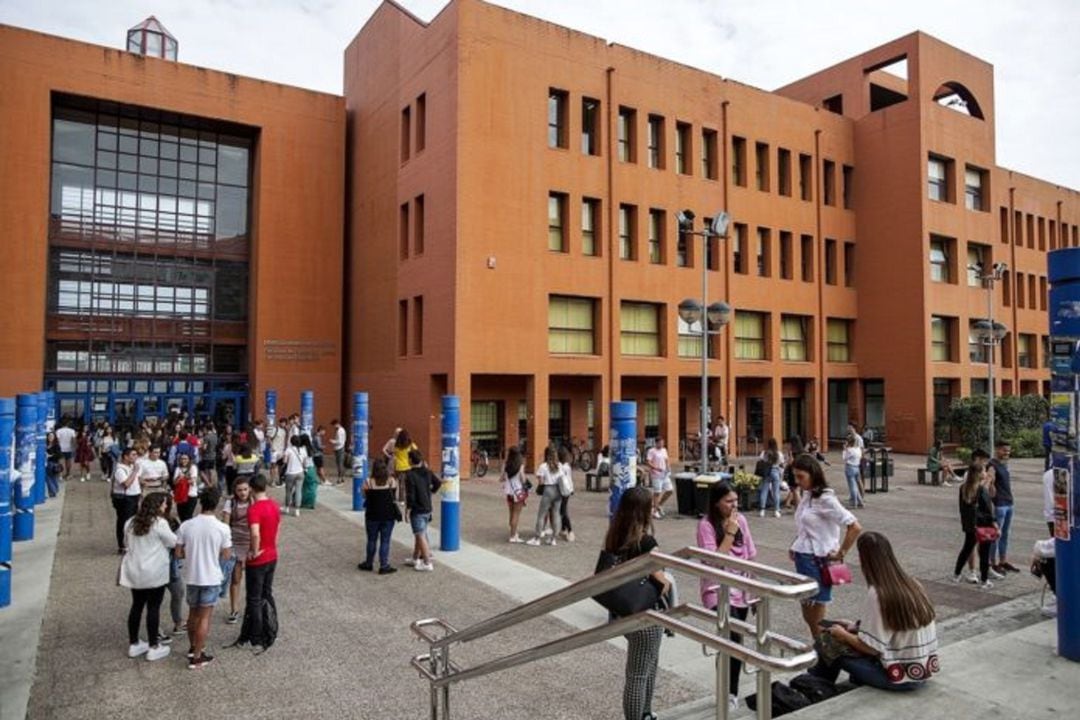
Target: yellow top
point(401, 458)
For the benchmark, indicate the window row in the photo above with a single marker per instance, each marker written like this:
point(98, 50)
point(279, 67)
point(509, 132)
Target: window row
point(414, 128)
point(1036, 231)
point(785, 169)
point(941, 183)
point(410, 326)
point(573, 323)
point(759, 259)
point(411, 228)
point(1028, 291)
point(945, 345)
point(144, 358)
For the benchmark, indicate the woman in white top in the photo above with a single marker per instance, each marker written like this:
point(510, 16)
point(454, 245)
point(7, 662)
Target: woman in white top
point(819, 518)
point(566, 489)
point(852, 462)
point(547, 484)
point(145, 570)
point(513, 480)
point(894, 645)
point(295, 462)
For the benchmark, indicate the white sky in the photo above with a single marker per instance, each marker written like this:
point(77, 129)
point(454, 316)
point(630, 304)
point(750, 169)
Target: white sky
point(765, 43)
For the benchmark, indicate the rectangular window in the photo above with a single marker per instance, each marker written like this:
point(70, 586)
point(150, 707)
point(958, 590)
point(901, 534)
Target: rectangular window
point(941, 339)
point(1025, 350)
point(785, 255)
point(418, 225)
point(557, 135)
point(977, 349)
point(656, 142)
point(406, 132)
point(937, 178)
point(761, 166)
point(627, 134)
point(750, 335)
point(1032, 301)
point(683, 151)
point(590, 126)
point(683, 248)
point(738, 161)
point(1004, 222)
point(590, 224)
point(639, 328)
point(783, 171)
point(1018, 228)
point(838, 341)
point(828, 180)
point(848, 179)
point(973, 188)
point(806, 180)
point(1030, 230)
point(690, 341)
point(794, 337)
point(557, 222)
point(1053, 234)
point(1021, 291)
point(940, 259)
point(1006, 288)
point(571, 322)
point(740, 248)
point(1041, 223)
point(657, 220)
point(403, 328)
point(1042, 293)
point(711, 246)
point(403, 231)
point(763, 253)
point(421, 122)
point(830, 261)
point(418, 325)
point(849, 264)
point(978, 258)
point(708, 154)
point(806, 257)
point(628, 232)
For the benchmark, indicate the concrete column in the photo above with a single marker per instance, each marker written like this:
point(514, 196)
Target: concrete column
point(669, 413)
point(536, 397)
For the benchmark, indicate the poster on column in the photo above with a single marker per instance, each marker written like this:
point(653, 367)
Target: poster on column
point(1062, 497)
point(1063, 417)
point(451, 471)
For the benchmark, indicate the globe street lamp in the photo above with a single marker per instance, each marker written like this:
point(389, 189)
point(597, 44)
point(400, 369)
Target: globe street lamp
point(989, 333)
point(710, 319)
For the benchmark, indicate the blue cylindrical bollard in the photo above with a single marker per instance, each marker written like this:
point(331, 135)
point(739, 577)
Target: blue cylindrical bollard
point(359, 448)
point(39, 454)
point(25, 451)
point(1064, 274)
point(623, 451)
point(50, 406)
point(7, 433)
point(307, 413)
point(450, 522)
point(271, 422)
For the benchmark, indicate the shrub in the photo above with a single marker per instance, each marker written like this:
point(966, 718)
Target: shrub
point(1026, 443)
point(964, 454)
point(1013, 414)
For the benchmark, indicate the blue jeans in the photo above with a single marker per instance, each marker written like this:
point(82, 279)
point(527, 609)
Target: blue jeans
point(851, 473)
point(863, 670)
point(1003, 515)
point(379, 530)
point(772, 481)
point(52, 483)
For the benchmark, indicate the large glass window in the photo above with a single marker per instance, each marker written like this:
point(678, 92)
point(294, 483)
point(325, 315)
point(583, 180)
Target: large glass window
point(937, 180)
point(557, 222)
point(750, 335)
point(590, 222)
point(941, 339)
point(690, 341)
point(839, 340)
point(794, 337)
point(640, 328)
point(571, 325)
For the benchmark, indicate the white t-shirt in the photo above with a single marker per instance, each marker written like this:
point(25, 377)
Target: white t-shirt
point(859, 442)
point(818, 522)
point(203, 537)
point(906, 655)
point(338, 441)
point(853, 456)
point(152, 472)
point(1048, 495)
point(120, 475)
point(546, 476)
point(193, 479)
point(294, 460)
point(658, 462)
point(66, 437)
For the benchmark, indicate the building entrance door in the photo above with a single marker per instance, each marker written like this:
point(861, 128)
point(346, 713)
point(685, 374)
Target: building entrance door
point(839, 408)
point(794, 417)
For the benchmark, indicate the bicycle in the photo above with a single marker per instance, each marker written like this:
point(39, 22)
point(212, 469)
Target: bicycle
point(479, 460)
point(581, 455)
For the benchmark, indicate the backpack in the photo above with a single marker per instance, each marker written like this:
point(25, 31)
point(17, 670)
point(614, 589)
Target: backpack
point(762, 468)
point(784, 700)
point(815, 689)
point(269, 624)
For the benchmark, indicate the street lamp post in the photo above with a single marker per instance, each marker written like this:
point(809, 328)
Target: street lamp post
point(990, 333)
point(706, 316)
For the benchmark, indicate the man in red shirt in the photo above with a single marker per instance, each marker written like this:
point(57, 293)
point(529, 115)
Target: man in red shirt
point(264, 516)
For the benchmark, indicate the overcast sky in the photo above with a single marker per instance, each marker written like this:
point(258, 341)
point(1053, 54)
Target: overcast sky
point(765, 43)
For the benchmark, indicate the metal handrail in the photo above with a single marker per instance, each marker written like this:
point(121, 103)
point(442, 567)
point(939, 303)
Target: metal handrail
point(724, 569)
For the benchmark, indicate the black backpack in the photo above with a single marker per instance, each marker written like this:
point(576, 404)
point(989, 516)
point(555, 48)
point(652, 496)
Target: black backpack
point(763, 468)
point(269, 627)
point(784, 700)
point(816, 689)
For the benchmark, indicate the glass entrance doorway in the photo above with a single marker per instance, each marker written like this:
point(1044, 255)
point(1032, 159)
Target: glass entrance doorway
point(126, 403)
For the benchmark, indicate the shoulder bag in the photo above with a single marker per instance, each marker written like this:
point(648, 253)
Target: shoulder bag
point(631, 597)
point(987, 534)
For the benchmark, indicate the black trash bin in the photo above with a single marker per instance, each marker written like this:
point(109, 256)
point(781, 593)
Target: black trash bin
point(887, 468)
point(871, 465)
point(684, 493)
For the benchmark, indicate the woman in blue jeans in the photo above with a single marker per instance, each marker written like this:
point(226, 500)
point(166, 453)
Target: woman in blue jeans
point(894, 645)
point(775, 460)
point(380, 496)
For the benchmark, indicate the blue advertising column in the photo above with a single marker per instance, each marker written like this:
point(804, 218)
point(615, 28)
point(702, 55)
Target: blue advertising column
point(307, 413)
point(623, 451)
point(359, 448)
point(50, 406)
point(25, 450)
point(39, 454)
point(271, 422)
point(1064, 273)
point(7, 446)
point(450, 522)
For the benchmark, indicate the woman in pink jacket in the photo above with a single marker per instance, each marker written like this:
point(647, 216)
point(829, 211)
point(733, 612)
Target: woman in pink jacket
point(725, 530)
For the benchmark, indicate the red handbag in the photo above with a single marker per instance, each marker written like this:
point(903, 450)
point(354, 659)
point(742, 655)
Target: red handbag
point(987, 534)
point(833, 573)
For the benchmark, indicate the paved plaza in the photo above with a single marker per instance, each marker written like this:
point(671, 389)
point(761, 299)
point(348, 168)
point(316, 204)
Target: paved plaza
point(345, 645)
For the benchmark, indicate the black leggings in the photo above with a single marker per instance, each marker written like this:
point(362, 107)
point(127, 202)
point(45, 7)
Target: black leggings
point(564, 513)
point(150, 598)
point(984, 555)
point(735, 668)
point(125, 507)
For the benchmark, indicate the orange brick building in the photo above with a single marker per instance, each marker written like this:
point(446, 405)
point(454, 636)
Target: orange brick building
point(172, 233)
point(512, 205)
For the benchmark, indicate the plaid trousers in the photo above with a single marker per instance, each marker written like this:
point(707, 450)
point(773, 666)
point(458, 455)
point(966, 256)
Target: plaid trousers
point(642, 656)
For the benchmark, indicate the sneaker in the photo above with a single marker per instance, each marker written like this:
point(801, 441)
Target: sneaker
point(661, 511)
point(986, 585)
point(190, 654)
point(424, 567)
point(516, 539)
point(179, 629)
point(972, 577)
point(1050, 608)
point(553, 542)
point(732, 703)
point(157, 653)
point(233, 618)
point(365, 566)
point(1008, 567)
point(164, 639)
point(958, 578)
point(570, 536)
point(138, 649)
point(656, 514)
point(777, 513)
point(388, 570)
point(946, 483)
point(996, 575)
point(411, 562)
point(762, 513)
point(546, 531)
point(533, 541)
point(200, 662)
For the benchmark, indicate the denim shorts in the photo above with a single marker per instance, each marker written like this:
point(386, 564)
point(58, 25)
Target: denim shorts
point(805, 564)
point(419, 522)
point(202, 595)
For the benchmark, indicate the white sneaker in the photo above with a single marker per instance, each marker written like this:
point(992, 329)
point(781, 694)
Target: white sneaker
point(570, 536)
point(424, 566)
point(138, 649)
point(534, 541)
point(157, 653)
point(1050, 608)
point(972, 577)
point(733, 703)
point(762, 513)
point(778, 513)
point(553, 542)
point(656, 514)
point(986, 585)
point(995, 574)
point(516, 539)
point(958, 578)
point(545, 532)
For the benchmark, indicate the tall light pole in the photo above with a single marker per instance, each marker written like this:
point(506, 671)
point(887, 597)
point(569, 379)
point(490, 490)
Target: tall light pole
point(990, 333)
point(706, 316)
